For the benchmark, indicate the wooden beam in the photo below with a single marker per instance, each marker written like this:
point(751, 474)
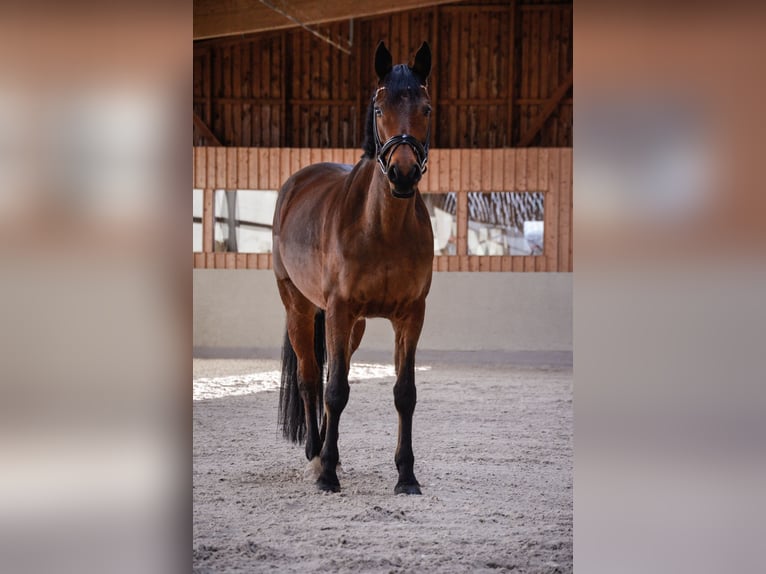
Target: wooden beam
point(206, 131)
point(217, 18)
point(546, 112)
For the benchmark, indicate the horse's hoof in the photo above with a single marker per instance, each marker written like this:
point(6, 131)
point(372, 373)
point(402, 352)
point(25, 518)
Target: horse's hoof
point(403, 488)
point(313, 469)
point(328, 485)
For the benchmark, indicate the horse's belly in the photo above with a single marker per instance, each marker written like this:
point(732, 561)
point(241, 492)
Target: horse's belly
point(304, 268)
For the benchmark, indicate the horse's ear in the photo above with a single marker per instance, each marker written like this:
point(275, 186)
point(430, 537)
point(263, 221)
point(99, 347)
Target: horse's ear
point(383, 61)
point(422, 66)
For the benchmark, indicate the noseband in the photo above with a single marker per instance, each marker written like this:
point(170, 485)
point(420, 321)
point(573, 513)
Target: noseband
point(385, 151)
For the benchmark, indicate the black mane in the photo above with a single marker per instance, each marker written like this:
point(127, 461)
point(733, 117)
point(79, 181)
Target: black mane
point(400, 80)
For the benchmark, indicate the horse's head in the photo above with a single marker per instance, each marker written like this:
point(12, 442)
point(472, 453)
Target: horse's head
point(401, 110)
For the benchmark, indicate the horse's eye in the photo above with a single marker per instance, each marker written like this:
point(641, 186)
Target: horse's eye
point(427, 111)
point(378, 112)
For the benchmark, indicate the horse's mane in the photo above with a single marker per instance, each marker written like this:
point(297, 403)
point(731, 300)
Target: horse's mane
point(400, 80)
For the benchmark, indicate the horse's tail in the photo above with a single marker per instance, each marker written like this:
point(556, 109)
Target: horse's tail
point(291, 413)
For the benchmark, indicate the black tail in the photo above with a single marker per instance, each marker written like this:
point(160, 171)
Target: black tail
point(291, 414)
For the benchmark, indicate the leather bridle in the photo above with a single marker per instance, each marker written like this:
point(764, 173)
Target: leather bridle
point(385, 151)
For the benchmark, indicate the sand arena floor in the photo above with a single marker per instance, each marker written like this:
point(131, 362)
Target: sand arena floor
point(493, 443)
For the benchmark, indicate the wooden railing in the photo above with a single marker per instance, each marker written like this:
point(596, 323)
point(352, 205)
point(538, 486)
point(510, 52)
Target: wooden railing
point(547, 170)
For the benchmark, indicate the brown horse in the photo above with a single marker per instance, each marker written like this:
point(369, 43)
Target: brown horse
point(352, 242)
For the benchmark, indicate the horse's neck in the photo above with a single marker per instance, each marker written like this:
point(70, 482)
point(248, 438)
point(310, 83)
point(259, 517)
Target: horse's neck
point(383, 213)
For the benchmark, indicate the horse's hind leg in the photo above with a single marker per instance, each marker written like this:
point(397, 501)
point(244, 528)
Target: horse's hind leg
point(407, 330)
point(339, 323)
point(300, 329)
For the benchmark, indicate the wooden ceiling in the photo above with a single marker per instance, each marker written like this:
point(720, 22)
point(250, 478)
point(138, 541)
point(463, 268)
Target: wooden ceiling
point(217, 18)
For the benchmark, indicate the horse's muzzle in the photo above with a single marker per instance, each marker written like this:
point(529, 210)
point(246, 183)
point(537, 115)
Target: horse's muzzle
point(404, 183)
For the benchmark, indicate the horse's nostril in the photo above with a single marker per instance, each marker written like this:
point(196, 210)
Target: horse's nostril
point(416, 174)
point(393, 174)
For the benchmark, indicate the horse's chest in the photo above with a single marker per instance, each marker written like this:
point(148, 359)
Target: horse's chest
point(382, 288)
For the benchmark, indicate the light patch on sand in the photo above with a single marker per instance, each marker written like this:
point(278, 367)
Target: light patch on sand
point(218, 387)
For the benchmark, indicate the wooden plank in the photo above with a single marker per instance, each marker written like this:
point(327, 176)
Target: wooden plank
point(275, 168)
point(534, 55)
point(315, 155)
point(252, 168)
point(542, 169)
point(305, 157)
point(506, 263)
point(462, 201)
point(462, 262)
point(283, 75)
point(473, 263)
point(209, 86)
point(263, 168)
point(295, 160)
point(551, 231)
point(199, 260)
point(553, 66)
point(453, 263)
point(545, 45)
point(232, 173)
point(200, 167)
point(227, 134)
point(565, 211)
point(209, 260)
point(230, 260)
point(517, 263)
point(263, 260)
point(444, 159)
point(511, 69)
point(266, 126)
point(497, 170)
point(495, 263)
point(252, 261)
point(220, 260)
point(474, 169)
point(486, 169)
point(529, 263)
point(521, 170)
point(532, 159)
point(236, 92)
point(242, 168)
point(462, 223)
point(434, 81)
point(220, 168)
point(454, 170)
point(241, 261)
point(210, 180)
point(471, 56)
point(208, 217)
point(484, 262)
point(509, 170)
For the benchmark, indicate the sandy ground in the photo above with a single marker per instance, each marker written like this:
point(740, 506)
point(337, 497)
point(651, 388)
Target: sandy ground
point(493, 445)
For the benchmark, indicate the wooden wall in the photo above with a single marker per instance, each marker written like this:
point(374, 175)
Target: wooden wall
point(547, 170)
point(502, 78)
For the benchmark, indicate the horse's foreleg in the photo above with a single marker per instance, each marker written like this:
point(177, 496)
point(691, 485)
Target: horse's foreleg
point(338, 324)
point(407, 330)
